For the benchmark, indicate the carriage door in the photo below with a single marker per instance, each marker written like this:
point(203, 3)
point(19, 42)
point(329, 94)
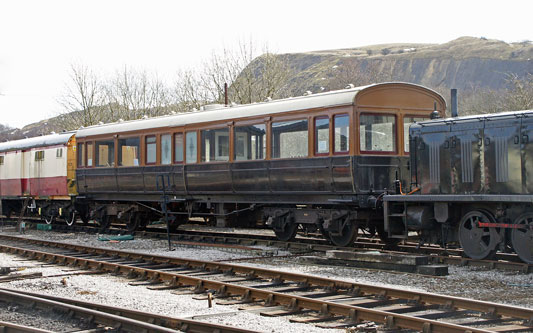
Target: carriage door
point(502, 161)
point(465, 148)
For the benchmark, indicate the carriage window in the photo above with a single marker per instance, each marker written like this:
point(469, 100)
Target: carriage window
point(128, 152)
point(215, 145)
point(1, 160)
point(178, 147)
point(342, 133)
point(151, 146)
point(89, 154)
point(289, 139)
point(408, 121)
point(166, 149)
point(191, 151)
point(81, 154)
point(377, 133)
point(39, 155)
point(250, 142)
point(59, 152)
point(105, 153)
point(321, 135)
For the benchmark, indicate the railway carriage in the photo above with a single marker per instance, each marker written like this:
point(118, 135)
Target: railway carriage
point(317, 162)
point(39, 174)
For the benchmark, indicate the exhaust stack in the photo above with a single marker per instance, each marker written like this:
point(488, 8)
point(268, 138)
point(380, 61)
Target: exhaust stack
point(454, 103)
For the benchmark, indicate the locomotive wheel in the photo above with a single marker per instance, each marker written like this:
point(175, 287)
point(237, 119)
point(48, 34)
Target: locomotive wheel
point(478, 243)
point(522, 239)
point(347, 235)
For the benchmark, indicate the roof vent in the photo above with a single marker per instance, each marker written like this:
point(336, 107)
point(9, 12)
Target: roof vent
point(172, 112)
point(52, 132)
point(268, 99)
point(307, 93)
point(211, 107)
point(195, 109)
point(350, 86)
point(145, 116)
point(121, 120)
point(100, 123)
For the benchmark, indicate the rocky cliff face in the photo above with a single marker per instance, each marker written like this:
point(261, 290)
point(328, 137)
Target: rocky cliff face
point(465, 63)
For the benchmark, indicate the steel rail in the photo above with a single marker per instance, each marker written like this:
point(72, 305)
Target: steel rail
point(355, 313)
point(124, 324)
point(278, 298)
point(181, 324)
point(361, 288)
point(6, 327)
point(436, 255)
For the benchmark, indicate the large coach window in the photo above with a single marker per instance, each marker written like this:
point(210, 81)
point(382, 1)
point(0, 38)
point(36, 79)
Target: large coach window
point(250, 142)
point(321, 136)
point(89, 154)
point(166, 149)
point(289, 139)
point(151, 149)
point(128, 151)
point(377, 133)
point(215, 145)
point(408, 121)
point(178, 147)
point(81, 154)
point(105, 153)
point(191, 144)
point(342, 133)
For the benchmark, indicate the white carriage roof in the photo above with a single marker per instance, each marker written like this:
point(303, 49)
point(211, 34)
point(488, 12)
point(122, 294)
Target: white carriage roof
point(38, 141)
point(328, 99)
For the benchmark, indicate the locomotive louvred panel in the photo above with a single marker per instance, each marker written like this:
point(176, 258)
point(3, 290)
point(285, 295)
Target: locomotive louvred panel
point(434, 162)
point(465, 149)
point(502, 159)
point(467, 174)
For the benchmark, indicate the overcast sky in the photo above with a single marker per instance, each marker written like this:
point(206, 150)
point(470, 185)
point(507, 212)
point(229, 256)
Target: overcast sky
point(39, 40)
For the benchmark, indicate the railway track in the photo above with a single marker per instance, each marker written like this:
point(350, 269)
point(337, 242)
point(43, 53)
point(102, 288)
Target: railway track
point(121, 319)
point(321, 301)
point(437, 255)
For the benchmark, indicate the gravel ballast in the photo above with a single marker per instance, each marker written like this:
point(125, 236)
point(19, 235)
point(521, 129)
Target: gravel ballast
point(496, 286)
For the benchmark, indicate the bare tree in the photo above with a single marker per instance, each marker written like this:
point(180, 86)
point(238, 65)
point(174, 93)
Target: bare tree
point(250, 78)
point(133, 94)
point(83, 99)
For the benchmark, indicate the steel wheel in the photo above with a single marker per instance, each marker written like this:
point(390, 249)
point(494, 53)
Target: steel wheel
point(71, 219)
point(285, 228)
point(522, 239)
point(346, 235)
point(478, 243)
point(134, 221)
point(48, 219)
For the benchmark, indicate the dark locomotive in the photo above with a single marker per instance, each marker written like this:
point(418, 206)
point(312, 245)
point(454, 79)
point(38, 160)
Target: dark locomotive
point(473, 183)
point(334, 163)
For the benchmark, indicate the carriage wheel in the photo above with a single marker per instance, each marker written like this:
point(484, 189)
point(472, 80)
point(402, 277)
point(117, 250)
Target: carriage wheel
point(285, 229)
point(134, 221)
point(522, 239)
point(347, 234)
point(71, 218)
point(104, 222)
point(478, 243)
point(48, 219)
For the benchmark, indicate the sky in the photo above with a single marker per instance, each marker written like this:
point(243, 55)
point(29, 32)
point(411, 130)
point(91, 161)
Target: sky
point(40, 40)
